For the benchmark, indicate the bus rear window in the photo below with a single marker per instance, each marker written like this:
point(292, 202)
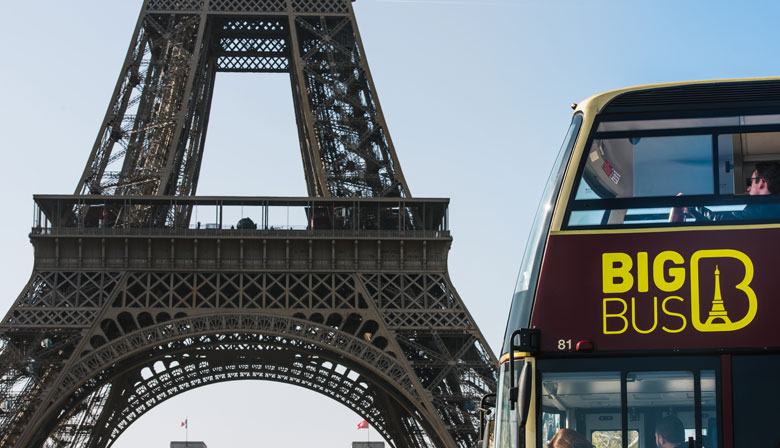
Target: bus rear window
point(677, 176)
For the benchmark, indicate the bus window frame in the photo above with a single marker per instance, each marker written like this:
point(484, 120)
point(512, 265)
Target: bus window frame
point(714, 199)
point(625, 365)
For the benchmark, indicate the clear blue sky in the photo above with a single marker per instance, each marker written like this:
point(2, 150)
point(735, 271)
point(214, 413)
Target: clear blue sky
point(476, 94)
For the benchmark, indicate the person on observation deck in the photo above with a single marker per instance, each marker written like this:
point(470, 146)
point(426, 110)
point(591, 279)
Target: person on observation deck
point(669, 433)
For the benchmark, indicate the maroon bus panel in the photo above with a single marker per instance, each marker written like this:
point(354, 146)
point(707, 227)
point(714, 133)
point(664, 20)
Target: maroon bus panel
point(664, 290)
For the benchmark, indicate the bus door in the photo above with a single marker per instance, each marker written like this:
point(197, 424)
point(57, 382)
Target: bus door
point(620, 403)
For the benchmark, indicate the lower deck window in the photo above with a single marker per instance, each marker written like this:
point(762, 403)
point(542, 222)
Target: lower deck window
point(603, 407)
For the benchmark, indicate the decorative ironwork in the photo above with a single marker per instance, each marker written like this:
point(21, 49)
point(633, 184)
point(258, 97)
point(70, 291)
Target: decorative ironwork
point(131, 303)
point(175, 5)
point(253, 6)
point(320, 6)
point(151, 140)
point(248, 5)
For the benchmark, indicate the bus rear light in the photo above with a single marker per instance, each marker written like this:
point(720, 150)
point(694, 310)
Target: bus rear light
point(585, 346)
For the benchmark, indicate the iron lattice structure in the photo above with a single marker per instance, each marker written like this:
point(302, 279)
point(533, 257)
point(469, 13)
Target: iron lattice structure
point(151, 140)
point(129, 304)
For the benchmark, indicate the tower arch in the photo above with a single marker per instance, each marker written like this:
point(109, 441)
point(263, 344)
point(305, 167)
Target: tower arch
point(154, 364)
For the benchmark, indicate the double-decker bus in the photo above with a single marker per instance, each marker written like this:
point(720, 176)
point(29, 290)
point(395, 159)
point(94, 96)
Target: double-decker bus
point(650, 285)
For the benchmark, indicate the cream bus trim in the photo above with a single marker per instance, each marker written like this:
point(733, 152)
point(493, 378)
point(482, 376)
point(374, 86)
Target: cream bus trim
point(518, 356)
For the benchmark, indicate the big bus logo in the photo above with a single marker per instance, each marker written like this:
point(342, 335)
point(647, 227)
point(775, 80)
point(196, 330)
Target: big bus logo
point(716, 303)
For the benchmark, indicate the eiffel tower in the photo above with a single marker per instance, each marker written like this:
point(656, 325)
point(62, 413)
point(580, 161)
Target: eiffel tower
point(132, 301)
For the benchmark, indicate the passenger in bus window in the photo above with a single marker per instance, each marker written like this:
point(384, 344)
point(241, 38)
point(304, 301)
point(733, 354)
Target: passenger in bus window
point(669, 432)
point(568, 438)
point(765, 180)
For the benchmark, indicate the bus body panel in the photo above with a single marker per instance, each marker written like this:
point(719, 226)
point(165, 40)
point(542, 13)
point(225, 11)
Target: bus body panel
point(657, 291)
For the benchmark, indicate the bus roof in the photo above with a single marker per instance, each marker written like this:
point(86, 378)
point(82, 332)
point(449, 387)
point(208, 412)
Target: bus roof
point(596, 104)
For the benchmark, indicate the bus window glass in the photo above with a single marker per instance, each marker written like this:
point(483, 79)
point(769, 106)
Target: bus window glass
point(709, 408)
point(506, 418)
point(582, 401)
point(664, 399)
point(520, 311)
point(726, 166)
point(552, 421)
point(680, 123)
point(648, 166)
point(666, 166)
point(676, 123)
point(614, 439)
point(586, 217)
point(653, 180)
point(597, 405)
point(739, 153)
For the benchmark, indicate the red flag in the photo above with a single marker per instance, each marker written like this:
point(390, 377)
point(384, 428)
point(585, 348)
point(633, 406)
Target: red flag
point(184, 423)
point(363, 425)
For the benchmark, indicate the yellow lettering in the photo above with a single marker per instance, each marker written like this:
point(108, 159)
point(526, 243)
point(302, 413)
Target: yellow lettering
point(620, 315)
point(677, 274)
point(641, 272)
point(670, 313)
point(616, 265)
point(634, 313)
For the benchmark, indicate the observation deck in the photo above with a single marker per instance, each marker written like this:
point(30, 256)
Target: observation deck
point(242, 233)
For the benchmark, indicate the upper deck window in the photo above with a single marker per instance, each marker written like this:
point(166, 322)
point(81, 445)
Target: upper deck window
point(648, 166)
point(673, 172)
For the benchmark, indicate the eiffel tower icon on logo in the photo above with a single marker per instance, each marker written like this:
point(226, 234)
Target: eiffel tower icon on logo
point(718, 311)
